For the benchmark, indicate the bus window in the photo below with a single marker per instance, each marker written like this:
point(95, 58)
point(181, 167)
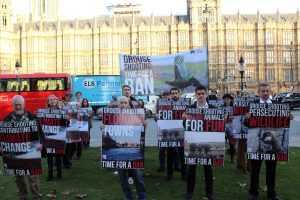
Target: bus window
point(51, 84)
point(8, 85)
point(25, 87)
point(3, 86)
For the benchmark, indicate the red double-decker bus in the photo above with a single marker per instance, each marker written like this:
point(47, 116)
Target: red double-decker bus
point(35, 88)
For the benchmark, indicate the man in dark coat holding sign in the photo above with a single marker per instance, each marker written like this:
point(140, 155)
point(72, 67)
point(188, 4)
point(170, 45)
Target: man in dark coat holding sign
point(21, 115)
point(264, 92)
point(172, 152)
point(201, 94)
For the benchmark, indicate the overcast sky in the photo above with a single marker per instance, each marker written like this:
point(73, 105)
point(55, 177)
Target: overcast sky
point(91, 8)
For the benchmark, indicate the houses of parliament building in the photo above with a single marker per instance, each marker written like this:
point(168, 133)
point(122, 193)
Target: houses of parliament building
point(46, 42)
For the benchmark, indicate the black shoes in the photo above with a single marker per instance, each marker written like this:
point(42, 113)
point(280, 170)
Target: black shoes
point(50, 176)
point(211, 196)
point(253, 197)
point(188, 195)
point(59, 175)
point(274, 197)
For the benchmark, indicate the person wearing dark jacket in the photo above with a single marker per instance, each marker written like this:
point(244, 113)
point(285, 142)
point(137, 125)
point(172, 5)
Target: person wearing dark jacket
point(242, 164)
point(264, 93)
point(172, 152)
point(69, 146)
point(162, 150)
point(21, 115)
point(228, 106)
point(201, 94)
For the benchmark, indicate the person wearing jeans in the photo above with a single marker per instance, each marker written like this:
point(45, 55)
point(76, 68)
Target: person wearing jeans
point(137, 177)
point(135, 174)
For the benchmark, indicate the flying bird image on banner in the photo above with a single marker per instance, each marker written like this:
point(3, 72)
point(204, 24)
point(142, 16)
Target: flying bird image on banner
point(181, 80)
point(152, 75)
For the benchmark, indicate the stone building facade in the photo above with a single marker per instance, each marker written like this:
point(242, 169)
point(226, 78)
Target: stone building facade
point(269, 43)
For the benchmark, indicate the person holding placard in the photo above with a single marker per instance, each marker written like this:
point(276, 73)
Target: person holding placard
point(264, 92)
point(201, 94)
point(21, 115)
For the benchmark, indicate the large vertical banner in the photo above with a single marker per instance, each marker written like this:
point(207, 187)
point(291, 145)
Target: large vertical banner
point(204, 138)
point(152, 75)
point(19, 141)
point(123, 138)
point(268, 131)
point(170, 127)
point(54, 124)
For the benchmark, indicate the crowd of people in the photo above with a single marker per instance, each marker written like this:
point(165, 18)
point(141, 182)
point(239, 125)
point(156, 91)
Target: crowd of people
point(170, 158)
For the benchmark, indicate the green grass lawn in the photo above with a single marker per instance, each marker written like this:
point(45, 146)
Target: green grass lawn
point(86, 176)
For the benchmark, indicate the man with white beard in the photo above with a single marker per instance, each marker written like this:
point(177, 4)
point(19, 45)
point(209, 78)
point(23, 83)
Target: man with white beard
point(21, 115)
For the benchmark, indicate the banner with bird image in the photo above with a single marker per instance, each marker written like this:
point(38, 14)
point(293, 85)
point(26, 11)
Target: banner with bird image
point(152, 75)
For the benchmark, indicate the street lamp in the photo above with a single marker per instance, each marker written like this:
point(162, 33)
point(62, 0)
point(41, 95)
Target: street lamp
point(18, 67)
point(242, 66)
point(206, 13)
point(292, 73)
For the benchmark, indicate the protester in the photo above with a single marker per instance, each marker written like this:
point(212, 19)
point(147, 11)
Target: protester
point(68, 98)
point(136, 174)
point(242, 165)
point(162, 150)
point(141, 103)
point(201, 94)
point(264, 92)
point(219, 96)
point(126, 91)
point(213, 95)
point(114, 100)
point(52, 104)
point(172, 152)
point(228, 106)
point(78, 95)
point(69, 146)
point(78, 145)
point(21, 115)
point(85, 104)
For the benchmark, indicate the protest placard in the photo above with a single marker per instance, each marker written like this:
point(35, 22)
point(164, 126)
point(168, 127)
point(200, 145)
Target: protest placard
point(123, 138)
point(268, 131)
point(19, 141)
point(54, 124)
point(170, 127)
point(204, 139)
